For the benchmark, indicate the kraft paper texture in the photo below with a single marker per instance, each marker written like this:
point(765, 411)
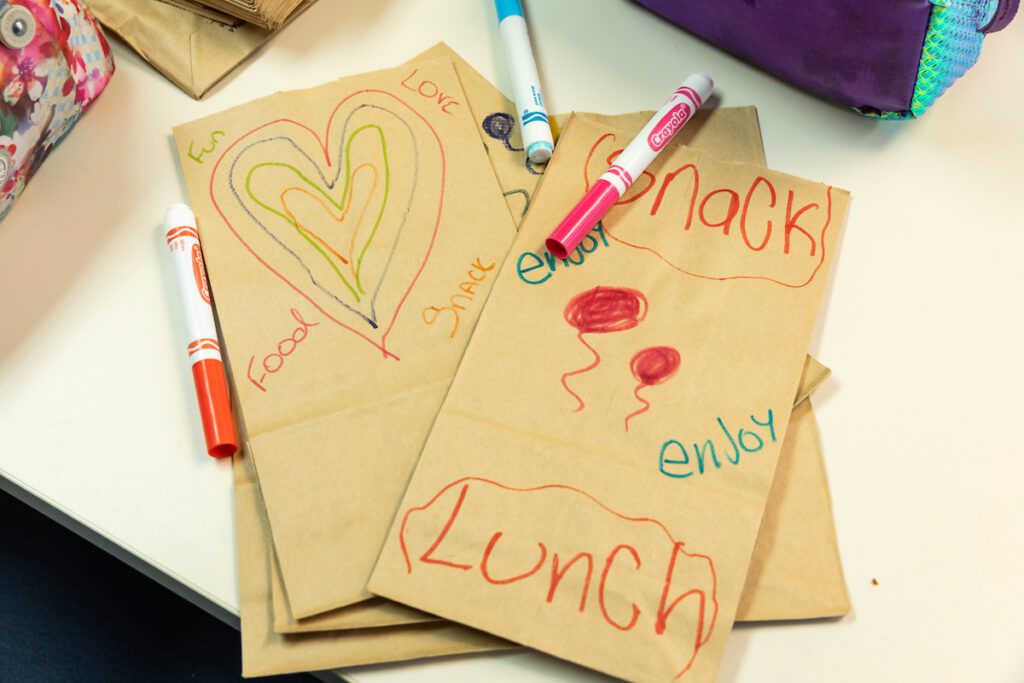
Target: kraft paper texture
point(597, 493)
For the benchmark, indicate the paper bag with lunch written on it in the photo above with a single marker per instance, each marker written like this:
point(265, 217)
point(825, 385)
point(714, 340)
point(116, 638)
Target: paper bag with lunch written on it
point(795, 572)
point(340, 226)
point(265, 653)
point(193, 50)
point(597, 493)
point(732, 134)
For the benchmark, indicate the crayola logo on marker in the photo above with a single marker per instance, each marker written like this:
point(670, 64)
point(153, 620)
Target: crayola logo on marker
point(199, 272)
point(669, 125)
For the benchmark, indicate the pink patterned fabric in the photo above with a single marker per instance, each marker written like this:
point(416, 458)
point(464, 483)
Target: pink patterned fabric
point(46, 86)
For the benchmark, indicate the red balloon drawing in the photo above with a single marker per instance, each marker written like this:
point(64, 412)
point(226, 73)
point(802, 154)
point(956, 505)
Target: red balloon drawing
point(602, 310)
point(652, 366)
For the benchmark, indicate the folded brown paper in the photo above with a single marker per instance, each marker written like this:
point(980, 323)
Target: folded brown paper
point(597, 494)
point(265, 652)
point(732, 134)
point(192, 50)
point(352, 233)
point(795, 573)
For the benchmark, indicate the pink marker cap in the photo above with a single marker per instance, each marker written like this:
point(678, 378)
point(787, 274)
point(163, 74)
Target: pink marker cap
point(581, 220)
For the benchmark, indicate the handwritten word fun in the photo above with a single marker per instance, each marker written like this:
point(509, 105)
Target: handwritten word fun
point(677, 462)
point(273, 362)
point(476, 274)
point(529, 261)
point(197, 157)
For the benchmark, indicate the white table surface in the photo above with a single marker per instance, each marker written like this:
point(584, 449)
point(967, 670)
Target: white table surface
point(923, 328)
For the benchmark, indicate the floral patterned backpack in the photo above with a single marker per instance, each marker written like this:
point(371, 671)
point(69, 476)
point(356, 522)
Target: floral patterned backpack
point(54, 62)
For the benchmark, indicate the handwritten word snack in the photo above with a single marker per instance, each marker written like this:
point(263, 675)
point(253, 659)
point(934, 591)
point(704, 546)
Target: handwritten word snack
point(352, 233)
point(597, 493)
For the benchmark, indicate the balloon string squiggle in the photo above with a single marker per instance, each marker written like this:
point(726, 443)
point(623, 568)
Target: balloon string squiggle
point(566, 376)
point(646, 406)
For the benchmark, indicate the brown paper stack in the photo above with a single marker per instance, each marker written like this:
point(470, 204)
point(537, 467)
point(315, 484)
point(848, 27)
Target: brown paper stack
point(192, 45)
point(266, 13)
point(799, 543)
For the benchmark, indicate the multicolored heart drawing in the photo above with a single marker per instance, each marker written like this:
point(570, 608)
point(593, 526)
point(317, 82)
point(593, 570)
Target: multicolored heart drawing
point(351, 233)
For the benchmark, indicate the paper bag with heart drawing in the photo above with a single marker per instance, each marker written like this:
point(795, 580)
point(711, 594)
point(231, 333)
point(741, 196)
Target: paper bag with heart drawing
point(351, 232)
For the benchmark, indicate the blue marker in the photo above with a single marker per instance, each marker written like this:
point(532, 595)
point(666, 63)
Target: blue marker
point(533, 117)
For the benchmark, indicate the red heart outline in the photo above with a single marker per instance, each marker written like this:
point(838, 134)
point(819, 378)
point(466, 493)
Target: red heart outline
point(323, 142)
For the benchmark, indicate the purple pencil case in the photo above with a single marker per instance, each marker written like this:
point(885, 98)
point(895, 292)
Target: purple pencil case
point(885, 58)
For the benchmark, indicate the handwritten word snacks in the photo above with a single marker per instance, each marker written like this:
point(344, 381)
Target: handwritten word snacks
point(597, 493)
point(352, 232)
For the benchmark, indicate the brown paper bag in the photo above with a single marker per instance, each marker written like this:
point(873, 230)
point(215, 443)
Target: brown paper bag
point(795, 573)
point(733, 134)
point(597, 493)
point(265, 652)
point(194, 51)
point(345, 328)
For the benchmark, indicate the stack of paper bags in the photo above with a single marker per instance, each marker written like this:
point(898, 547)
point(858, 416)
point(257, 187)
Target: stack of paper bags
point(194, 45)
point(353, 235)
point(266, 13)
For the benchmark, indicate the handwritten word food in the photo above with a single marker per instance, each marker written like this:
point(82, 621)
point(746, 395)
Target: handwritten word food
point(273, 362)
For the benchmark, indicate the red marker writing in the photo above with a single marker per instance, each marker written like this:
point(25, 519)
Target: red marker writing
point(630, 164)
point(203, 346)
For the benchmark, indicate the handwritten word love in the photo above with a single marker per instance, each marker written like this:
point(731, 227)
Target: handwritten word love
point(674, 459)
point(431, 91)
point(477, 273)
point(273, 362)
point(529, 261)
point(215, 137)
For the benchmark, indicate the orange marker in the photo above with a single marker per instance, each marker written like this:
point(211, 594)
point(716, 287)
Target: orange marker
point(203, 347)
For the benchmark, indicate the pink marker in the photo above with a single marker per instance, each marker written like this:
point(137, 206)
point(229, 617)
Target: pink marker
point(630, 164)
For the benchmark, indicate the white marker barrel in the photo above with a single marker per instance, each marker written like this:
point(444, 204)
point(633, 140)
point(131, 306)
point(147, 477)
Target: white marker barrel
point(530, 110)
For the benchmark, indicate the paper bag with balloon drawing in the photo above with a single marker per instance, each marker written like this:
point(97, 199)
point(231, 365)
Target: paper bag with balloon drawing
point(800, 539)
point(341, 226)
point(596, 495)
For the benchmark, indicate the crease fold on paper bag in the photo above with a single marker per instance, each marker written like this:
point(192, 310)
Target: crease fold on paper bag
point(625, 548)
point(265, 652)
point(192, 50)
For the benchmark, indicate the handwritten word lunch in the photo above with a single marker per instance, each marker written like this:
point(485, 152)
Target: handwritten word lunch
point(429, 90)
point(476, 274)
point(629, 573)
point(529, 261)
point(675, 460)
point(273, 362)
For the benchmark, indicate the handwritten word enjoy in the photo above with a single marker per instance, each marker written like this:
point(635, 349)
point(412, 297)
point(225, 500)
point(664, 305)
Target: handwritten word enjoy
point(431, 91)
point(273, 362)
point(675, 460)
point(529, 261)
point(477, 273)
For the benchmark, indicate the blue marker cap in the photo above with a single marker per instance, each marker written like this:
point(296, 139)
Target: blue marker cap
point(508, 8)
point(540, 151)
